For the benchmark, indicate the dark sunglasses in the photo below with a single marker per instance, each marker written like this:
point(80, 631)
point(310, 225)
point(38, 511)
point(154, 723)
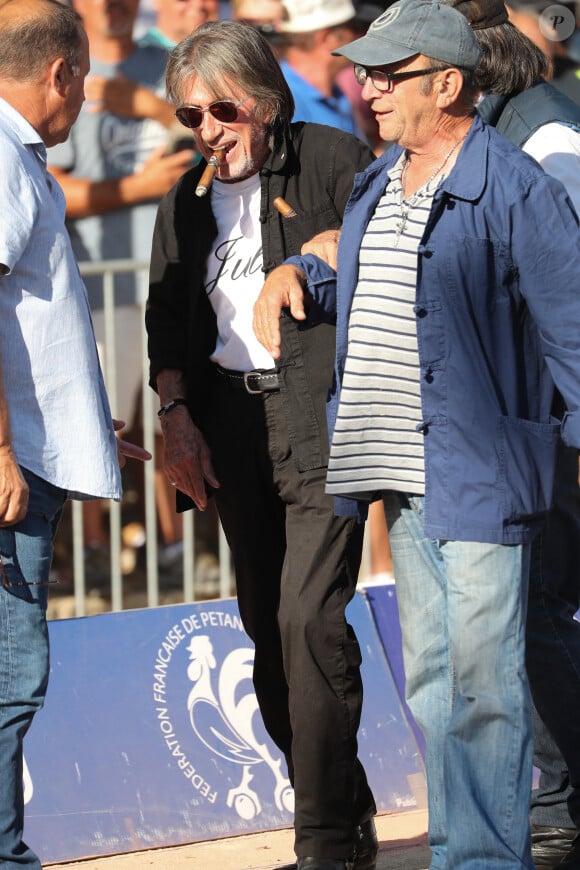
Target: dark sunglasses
point(224, 111)
point(7, 583)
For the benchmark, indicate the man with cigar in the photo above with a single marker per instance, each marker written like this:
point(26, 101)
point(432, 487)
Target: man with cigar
point(254, 434)
point(458, 309)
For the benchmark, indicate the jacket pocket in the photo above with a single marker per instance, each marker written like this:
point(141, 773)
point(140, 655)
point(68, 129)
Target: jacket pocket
point(308, 223)
point(526, 456)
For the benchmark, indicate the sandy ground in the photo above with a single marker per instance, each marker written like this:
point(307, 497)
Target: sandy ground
point(402, 838)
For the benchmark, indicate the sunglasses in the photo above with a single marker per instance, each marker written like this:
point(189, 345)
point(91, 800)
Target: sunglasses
point(224, 111)
point(7, 583)
point(384, 81)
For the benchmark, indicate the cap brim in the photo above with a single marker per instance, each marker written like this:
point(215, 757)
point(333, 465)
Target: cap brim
point(370, 51)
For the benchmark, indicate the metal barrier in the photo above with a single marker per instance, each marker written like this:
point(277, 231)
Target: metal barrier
point(108, 269)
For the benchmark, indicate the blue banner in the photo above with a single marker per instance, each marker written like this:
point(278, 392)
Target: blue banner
point(151, 734)
point(383, 602)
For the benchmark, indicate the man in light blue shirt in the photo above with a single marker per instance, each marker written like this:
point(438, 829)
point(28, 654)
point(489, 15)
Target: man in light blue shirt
point(312, 30)
point(113, 169)
point(57, 438)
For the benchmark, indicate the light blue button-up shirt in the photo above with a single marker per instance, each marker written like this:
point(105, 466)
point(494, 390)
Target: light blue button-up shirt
point(59, 413)
point(313, 106)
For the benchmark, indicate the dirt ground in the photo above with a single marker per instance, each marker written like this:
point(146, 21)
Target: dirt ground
point(402, 838)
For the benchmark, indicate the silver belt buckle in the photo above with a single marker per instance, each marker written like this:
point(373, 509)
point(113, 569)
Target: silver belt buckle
point(247, 386)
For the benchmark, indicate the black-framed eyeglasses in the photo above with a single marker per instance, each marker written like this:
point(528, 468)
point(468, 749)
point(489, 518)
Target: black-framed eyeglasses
point(7, 583)
point(224, 111)
point(384, 81)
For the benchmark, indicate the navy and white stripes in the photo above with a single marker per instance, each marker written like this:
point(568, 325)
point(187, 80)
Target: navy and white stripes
point(376, 445)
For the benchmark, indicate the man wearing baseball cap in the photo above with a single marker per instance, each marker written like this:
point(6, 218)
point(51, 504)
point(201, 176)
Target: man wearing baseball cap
point(457, 300)
point(535, 116)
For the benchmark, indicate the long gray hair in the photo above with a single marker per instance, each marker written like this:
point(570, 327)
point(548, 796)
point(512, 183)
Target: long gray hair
point(225, 54)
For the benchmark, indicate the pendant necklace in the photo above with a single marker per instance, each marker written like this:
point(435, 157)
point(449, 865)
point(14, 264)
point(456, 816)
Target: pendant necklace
point(407, 205)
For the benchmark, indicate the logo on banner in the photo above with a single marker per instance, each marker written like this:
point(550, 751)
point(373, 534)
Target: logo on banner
point(27, 782)
point(216, 699)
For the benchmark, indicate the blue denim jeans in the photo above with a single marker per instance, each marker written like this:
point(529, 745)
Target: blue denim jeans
point(462, 608)
point(26, 550)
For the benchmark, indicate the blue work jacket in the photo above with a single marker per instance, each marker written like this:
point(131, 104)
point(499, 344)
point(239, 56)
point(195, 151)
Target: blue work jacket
point(498, 322)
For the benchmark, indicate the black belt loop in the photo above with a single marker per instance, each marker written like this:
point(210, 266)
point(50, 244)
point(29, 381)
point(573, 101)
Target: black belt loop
point(255, 382)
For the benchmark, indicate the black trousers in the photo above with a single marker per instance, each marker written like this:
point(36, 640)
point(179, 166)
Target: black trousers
point(553, 653)
point(296, 567)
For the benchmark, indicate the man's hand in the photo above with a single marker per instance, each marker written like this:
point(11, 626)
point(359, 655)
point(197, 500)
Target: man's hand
point(121, 96)
point(325, 246)
point(13, 489)
point(187, 461)
point(161, 171)
point(85, 197)
point(285, 287)
point(125, 449)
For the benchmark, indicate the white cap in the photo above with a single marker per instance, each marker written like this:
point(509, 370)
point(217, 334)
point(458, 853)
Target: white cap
point(304, 16)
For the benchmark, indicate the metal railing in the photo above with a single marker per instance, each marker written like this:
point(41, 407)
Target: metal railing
point(115, 597)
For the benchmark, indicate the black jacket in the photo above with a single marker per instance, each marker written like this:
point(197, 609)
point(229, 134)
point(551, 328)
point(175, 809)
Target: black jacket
point(312, 167)
point(519, 116)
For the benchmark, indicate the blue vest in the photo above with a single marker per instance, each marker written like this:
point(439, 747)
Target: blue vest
point(518, 117)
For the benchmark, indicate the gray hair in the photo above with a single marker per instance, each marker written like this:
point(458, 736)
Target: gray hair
point(510, 62)
point(229, 53)
point(29, 42)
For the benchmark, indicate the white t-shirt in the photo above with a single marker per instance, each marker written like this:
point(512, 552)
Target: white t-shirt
point(556, 147)
point(234, 275)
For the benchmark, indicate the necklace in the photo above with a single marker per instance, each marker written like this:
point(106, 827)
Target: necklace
point(408, 204)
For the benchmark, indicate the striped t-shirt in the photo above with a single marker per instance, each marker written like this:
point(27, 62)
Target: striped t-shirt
point(376, 444)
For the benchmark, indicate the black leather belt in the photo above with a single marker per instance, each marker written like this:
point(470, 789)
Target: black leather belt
point(255, 382)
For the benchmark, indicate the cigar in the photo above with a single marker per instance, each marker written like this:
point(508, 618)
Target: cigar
point(284, 207)
point(209, 172)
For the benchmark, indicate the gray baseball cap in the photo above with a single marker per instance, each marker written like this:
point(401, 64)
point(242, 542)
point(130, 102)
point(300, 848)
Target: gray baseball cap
point(410, 27)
